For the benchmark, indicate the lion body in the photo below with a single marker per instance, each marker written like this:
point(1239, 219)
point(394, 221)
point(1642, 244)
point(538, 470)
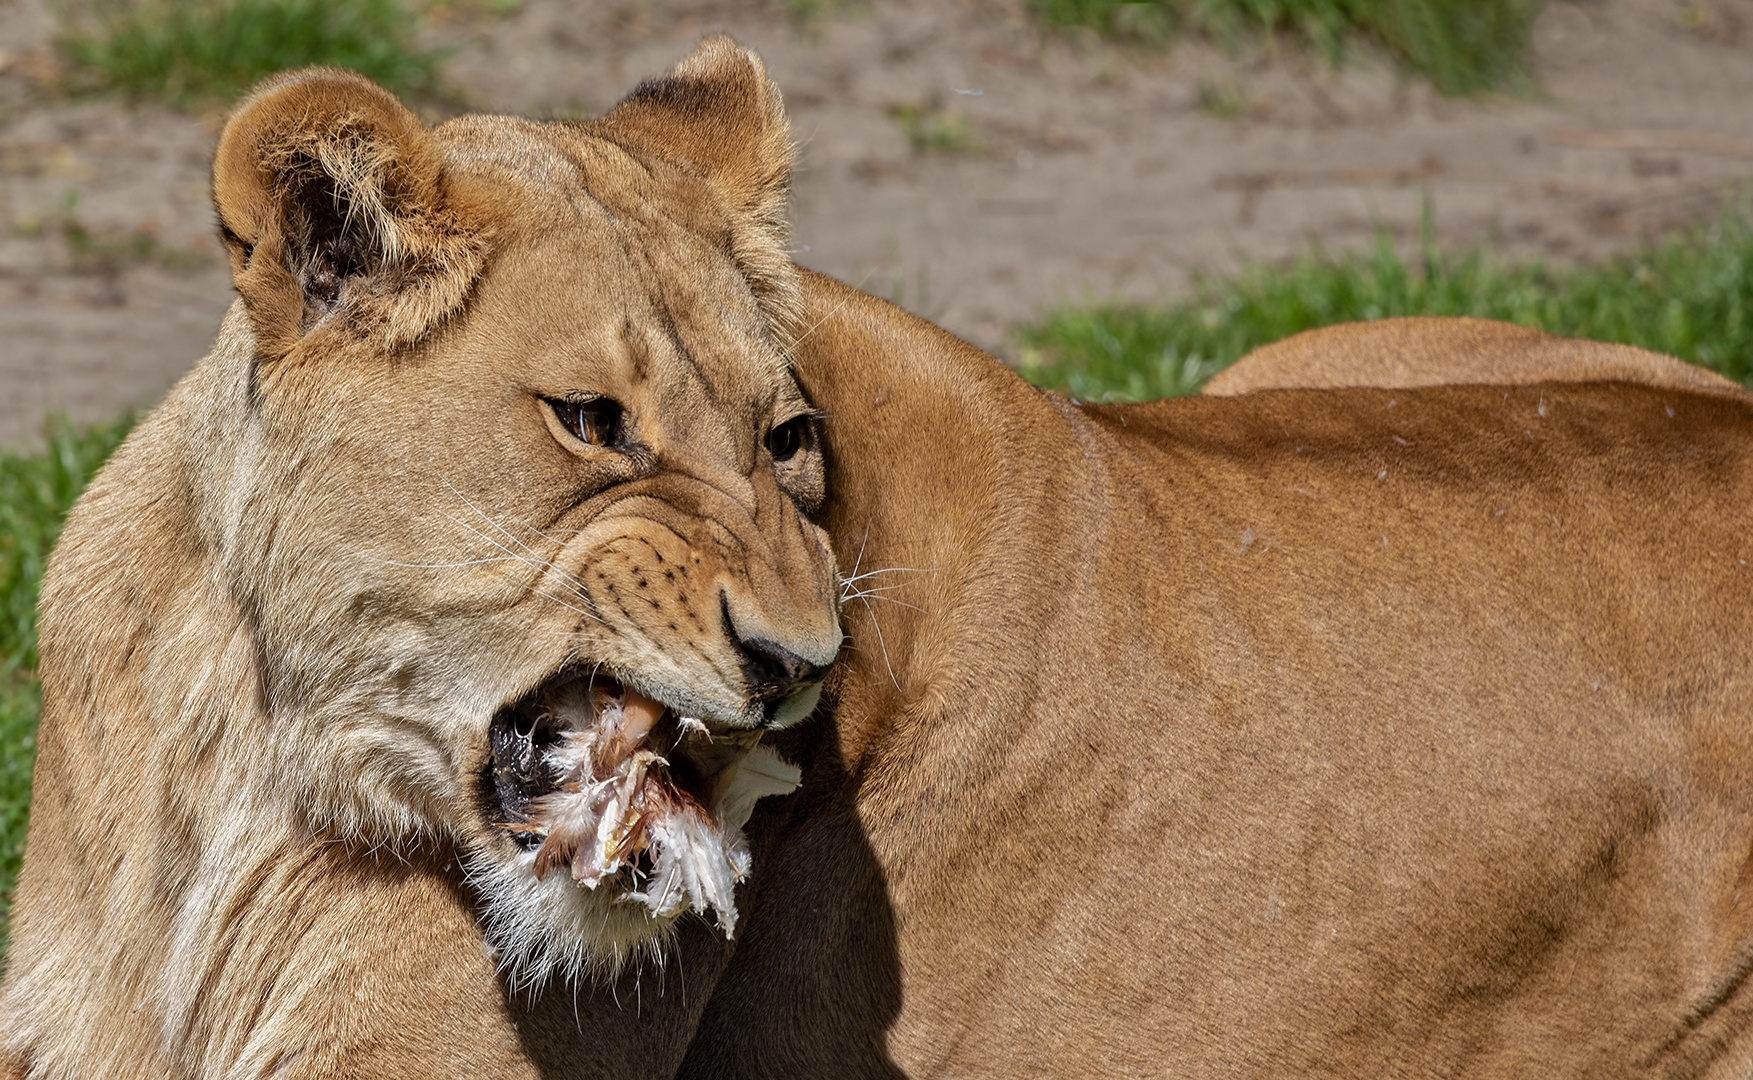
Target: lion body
point(1431, 351)
point(1349, 732)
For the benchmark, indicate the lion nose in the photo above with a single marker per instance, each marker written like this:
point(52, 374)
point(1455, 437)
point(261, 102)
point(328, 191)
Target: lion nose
point(776, 676)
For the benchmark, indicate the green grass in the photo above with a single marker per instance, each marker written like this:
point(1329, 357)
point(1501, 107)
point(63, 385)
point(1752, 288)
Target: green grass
point(932, 129)
point(36, 491)
point(189, 52)
point(1690, 295)
point(1460, 46)
point(1223, 99)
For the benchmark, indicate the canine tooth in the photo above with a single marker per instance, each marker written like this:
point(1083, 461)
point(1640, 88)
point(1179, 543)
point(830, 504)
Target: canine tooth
point(639, 714)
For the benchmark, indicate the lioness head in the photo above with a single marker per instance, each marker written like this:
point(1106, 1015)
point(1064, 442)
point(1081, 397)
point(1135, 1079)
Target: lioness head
point(512, 485)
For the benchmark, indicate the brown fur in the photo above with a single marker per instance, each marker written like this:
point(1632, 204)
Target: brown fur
point(280, 621)
point(1427, 351)
point(1342, 732)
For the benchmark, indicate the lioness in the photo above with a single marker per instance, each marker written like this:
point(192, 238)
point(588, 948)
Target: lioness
point(1343, 732)
point(413, 653)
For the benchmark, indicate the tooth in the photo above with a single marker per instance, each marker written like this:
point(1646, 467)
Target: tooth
point(639, 714)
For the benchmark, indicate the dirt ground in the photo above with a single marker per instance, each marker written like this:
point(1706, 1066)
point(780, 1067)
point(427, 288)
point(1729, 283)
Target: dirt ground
point(1043, 169)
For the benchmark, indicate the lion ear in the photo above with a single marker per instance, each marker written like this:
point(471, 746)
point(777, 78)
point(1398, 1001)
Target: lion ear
point(718, 116)
point(332, 202)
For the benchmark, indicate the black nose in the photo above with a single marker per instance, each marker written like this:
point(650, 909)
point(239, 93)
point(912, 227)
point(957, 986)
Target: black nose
point(774, 672)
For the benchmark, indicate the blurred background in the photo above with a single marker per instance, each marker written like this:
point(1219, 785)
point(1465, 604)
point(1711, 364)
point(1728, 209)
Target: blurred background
point(985, 163)
point(1117, 197)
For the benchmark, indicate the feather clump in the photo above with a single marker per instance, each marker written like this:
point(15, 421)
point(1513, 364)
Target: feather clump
point(619, 807)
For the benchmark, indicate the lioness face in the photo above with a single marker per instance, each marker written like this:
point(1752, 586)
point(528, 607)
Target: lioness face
point(525, 542)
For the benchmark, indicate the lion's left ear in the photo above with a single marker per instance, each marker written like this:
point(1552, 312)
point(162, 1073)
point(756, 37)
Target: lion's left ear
point(718, 116)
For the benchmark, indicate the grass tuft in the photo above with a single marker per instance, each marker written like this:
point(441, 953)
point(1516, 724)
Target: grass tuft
point(1689, 295)
point(932, 129)
point(1461, 46)
point(187, 52)
point(36, 491)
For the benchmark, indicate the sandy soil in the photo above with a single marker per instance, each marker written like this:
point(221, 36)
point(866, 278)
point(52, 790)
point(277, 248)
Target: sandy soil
point(1072, 170)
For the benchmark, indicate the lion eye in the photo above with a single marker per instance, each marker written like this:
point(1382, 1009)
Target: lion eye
point(784, 441)
point(596, 422)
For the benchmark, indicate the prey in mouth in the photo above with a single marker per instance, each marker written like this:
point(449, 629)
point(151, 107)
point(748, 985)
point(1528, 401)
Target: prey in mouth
point(610, 788)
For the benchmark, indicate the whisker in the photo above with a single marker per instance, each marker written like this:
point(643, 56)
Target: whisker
point(484, 516)
point(575, 608)
point(818, 324)
point(859, 558)
point(891, 570)
point(880, 642)
point(446, 565)
point(565, 579)
point(886, 599)
point(528, 556)
point(849, 590)
point(874, 589)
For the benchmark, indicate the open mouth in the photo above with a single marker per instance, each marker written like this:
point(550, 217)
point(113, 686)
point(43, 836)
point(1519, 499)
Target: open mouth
point(623, 794)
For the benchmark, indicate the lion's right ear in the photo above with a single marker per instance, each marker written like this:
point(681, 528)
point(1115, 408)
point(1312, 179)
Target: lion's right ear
point(717, 115)
point(332, 201)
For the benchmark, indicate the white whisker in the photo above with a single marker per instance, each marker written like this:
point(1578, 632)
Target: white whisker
point(859, 558)
point(819, 323)
point(849, 590)
point(891, 570)
point(529, 557)
point(880, 643)
point(446, 565)
point(886, 599)
point(874, 589)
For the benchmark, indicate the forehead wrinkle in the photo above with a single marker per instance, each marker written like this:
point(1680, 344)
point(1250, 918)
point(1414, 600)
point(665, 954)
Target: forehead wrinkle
point(761, 346)
point(660, 303)
point(692, 377)
point(691, 423)
point(581, 155)
point(652, 232)
point(738, 331)
point(647, 278)
point(638, 343)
